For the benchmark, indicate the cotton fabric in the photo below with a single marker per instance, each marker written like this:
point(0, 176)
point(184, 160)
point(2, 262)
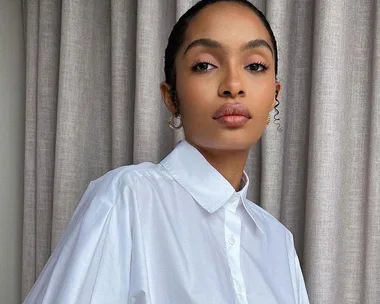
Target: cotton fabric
point(175, 232)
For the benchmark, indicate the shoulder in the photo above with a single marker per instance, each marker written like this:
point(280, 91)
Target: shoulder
point(127, 180)
point(116, 191)
point(125, 175)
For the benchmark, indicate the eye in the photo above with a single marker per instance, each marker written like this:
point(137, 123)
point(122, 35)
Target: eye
point(203, 67)
point(257, 67)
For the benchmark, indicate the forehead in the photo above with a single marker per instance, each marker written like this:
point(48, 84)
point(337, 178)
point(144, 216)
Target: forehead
point(226, 22)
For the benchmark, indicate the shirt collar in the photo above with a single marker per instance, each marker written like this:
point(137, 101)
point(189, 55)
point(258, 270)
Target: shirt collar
point(193, 172)
point(204, 183)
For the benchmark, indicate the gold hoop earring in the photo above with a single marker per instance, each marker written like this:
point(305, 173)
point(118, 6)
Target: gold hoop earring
point(268, 120)
point(171, 122)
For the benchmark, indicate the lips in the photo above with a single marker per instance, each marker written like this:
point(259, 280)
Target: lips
point(232, 115)
point(232, 109)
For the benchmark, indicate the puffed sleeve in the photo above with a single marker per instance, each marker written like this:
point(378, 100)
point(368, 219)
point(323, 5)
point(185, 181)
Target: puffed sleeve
point(300, 292)
point(302, 297)
point(91, 263)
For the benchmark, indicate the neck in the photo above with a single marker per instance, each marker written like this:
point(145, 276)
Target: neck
point(229, 163)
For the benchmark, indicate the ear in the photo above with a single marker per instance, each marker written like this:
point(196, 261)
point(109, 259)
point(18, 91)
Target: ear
point(277, 93)
point(167, 97)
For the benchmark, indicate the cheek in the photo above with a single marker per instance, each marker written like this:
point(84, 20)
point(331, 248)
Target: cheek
point(261, 97)
point(196, 95)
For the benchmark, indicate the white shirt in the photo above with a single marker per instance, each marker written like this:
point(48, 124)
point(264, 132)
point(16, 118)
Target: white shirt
point(173, 233)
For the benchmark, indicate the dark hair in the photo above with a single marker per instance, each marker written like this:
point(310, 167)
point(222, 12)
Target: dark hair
point(177, 37)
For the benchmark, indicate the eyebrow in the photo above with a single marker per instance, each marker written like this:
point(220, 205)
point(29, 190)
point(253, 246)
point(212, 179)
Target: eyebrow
point(210, 43)
point(253, 44)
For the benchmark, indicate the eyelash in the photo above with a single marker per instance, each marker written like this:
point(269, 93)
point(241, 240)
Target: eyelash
point(263, 65)
point(196, 64)
point(260, 63)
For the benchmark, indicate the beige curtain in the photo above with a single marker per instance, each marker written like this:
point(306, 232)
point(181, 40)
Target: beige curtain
point(93, 104)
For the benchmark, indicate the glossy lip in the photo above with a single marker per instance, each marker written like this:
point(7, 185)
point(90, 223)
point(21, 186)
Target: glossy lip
point(232, 114)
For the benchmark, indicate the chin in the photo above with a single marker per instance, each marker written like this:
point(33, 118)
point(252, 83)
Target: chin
point(234, 144)
point(233, 141)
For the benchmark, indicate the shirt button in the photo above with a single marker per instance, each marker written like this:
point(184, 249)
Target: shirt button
point(231, 240)
point(238, 287)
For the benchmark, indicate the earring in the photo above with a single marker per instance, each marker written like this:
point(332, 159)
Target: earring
point(171, 122)
point(268, 120)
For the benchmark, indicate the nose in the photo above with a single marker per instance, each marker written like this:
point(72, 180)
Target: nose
point(232, 85)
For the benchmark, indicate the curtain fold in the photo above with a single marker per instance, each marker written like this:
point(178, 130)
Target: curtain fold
point(93, 103)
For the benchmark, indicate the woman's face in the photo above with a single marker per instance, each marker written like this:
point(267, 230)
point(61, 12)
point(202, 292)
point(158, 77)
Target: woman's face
point(225, 78)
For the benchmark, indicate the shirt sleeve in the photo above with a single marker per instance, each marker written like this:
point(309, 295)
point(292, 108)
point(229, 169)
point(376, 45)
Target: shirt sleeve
point(302, 297)
point(300, 292)
point(91, 263)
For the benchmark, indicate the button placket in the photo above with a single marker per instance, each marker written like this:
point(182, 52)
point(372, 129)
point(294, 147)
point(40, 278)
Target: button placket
point(238, 287)
point(232, 241)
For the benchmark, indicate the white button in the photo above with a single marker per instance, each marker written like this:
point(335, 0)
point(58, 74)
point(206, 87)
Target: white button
point(238, 287)
point(231, 240)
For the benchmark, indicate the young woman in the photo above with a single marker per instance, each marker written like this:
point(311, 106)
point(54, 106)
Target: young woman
point(183, 231)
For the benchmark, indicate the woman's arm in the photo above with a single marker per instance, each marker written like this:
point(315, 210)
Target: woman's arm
point(92, 260)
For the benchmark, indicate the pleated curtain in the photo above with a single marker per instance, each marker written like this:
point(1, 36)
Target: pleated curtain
point(93, 103)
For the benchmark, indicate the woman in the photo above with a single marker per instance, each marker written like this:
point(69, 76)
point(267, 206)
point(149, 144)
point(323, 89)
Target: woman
point(183, 231)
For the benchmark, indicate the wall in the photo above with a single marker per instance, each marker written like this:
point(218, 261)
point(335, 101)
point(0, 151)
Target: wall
point(12, 88)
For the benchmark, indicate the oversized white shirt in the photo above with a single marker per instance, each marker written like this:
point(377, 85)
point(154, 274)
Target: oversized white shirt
point(176, 232)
